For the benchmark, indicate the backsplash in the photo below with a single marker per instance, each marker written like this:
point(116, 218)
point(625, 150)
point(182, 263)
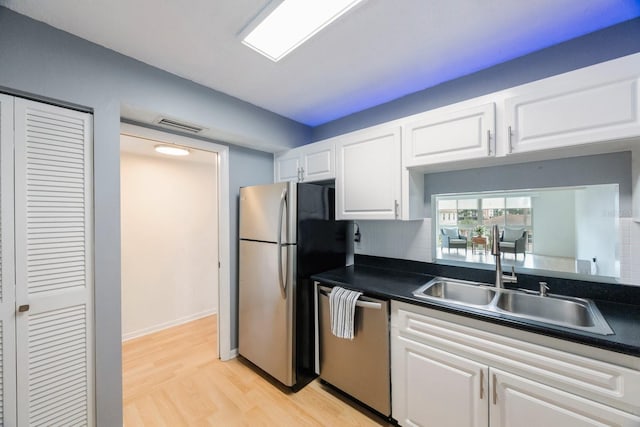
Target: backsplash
point(411, 240)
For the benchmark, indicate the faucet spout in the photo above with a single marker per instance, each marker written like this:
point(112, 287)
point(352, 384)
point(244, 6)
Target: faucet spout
point(495, 240)
point(495, 251)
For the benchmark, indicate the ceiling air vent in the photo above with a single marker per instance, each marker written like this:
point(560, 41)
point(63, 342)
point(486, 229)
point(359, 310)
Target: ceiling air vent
point(163, 121)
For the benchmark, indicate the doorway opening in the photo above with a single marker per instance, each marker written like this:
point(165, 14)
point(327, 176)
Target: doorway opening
point(175, 237)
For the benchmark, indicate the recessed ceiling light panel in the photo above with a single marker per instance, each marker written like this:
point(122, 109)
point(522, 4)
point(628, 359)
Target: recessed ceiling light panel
point(292, 23)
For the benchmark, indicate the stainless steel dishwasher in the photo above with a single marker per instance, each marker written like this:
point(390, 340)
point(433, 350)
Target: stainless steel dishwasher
point(359, 367)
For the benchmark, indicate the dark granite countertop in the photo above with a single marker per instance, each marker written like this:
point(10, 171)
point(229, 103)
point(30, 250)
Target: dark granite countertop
point(389, 283)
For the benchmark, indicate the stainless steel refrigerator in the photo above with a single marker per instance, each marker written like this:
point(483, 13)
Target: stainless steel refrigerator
point(287, 233)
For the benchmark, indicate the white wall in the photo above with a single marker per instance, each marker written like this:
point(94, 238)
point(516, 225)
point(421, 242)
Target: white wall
point(597, 228)
point(553, 224)
point(396, 239)
point(169, 241)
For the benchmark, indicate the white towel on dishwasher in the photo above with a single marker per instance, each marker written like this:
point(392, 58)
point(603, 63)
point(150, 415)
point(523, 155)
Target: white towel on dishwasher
point(342, 311)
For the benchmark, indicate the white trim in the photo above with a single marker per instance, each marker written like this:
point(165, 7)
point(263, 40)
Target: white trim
point(233, 353)
point(224, 247)
point(165, 325)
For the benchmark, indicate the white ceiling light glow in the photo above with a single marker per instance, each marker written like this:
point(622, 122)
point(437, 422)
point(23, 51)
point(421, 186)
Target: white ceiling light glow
point(171, 150)
point(292, 23)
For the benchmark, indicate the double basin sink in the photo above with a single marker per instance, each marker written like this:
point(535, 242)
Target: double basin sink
point(568, 312)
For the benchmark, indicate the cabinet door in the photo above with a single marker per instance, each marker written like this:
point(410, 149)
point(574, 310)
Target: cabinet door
point(368, 175)
point(446, 136)
point(7, 276)
point(318, 161)
point(287, 167)
point(54, 274)
point(577, 112)
point(431, 387)
point(517, 401)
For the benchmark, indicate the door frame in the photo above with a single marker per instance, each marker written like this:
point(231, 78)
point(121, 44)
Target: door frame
point(224, 248)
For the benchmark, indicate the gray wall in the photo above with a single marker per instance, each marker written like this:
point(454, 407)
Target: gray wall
point(610, 43)
point(611, 168)
point(42, 62)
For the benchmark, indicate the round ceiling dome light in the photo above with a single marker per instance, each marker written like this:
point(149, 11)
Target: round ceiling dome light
point(171, 150)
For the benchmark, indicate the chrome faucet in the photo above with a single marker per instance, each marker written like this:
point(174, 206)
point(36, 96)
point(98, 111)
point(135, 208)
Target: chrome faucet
point(544, 288)
point(495, 251)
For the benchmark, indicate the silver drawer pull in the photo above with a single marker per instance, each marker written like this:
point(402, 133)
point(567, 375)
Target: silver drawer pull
point(367, 304)
point(360, 303)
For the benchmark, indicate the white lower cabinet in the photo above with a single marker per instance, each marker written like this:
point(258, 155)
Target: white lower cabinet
point(517, 401)
point(459, 397)
point(446, 374)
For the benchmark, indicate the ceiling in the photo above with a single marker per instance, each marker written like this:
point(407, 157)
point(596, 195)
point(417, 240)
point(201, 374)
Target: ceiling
point(381, 50)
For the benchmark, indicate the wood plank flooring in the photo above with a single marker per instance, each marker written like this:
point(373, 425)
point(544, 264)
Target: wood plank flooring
point(174, 378)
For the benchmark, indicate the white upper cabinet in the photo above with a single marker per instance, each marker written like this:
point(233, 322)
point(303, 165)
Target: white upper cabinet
point(594, 104)
point(443, 135)
point(319, 161)
point(312, 162)
point(287, 166)
point(368, 174)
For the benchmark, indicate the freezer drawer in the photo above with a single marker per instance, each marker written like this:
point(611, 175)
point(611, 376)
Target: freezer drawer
point(359, 367)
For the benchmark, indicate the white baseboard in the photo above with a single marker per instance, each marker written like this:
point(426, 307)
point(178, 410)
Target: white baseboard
point(159, 327)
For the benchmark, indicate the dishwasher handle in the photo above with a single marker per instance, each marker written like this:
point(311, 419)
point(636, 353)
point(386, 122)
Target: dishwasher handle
point(360, 303)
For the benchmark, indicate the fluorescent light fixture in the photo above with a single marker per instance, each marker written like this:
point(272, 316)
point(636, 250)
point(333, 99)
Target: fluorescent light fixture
point(171, 150)
point(292, 23)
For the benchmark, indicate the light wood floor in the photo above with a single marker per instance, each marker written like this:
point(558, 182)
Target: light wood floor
point(174, 378)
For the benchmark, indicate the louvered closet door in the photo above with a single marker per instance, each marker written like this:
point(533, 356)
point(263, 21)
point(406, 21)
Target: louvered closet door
point(53, 216)
point(7, 276)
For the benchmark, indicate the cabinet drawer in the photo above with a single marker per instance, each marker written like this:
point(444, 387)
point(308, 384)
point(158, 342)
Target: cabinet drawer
point(604, 382)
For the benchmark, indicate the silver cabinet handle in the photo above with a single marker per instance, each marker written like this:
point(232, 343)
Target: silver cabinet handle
point(395, 208)
point(283, 280)
point(481, 384)
point(359, 303)
point(510, 134)
point(23, 308)
point(495, 389)
point(488, 143)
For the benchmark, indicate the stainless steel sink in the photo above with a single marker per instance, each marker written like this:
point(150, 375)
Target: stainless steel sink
point(564, 311)
point(468, 293)
point(569, 312)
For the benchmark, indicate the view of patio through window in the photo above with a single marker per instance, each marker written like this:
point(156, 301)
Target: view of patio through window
point(568, 229)
point(475, 216)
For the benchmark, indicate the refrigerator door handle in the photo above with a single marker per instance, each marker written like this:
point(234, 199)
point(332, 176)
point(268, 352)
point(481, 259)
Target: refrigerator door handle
point(283, 280)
